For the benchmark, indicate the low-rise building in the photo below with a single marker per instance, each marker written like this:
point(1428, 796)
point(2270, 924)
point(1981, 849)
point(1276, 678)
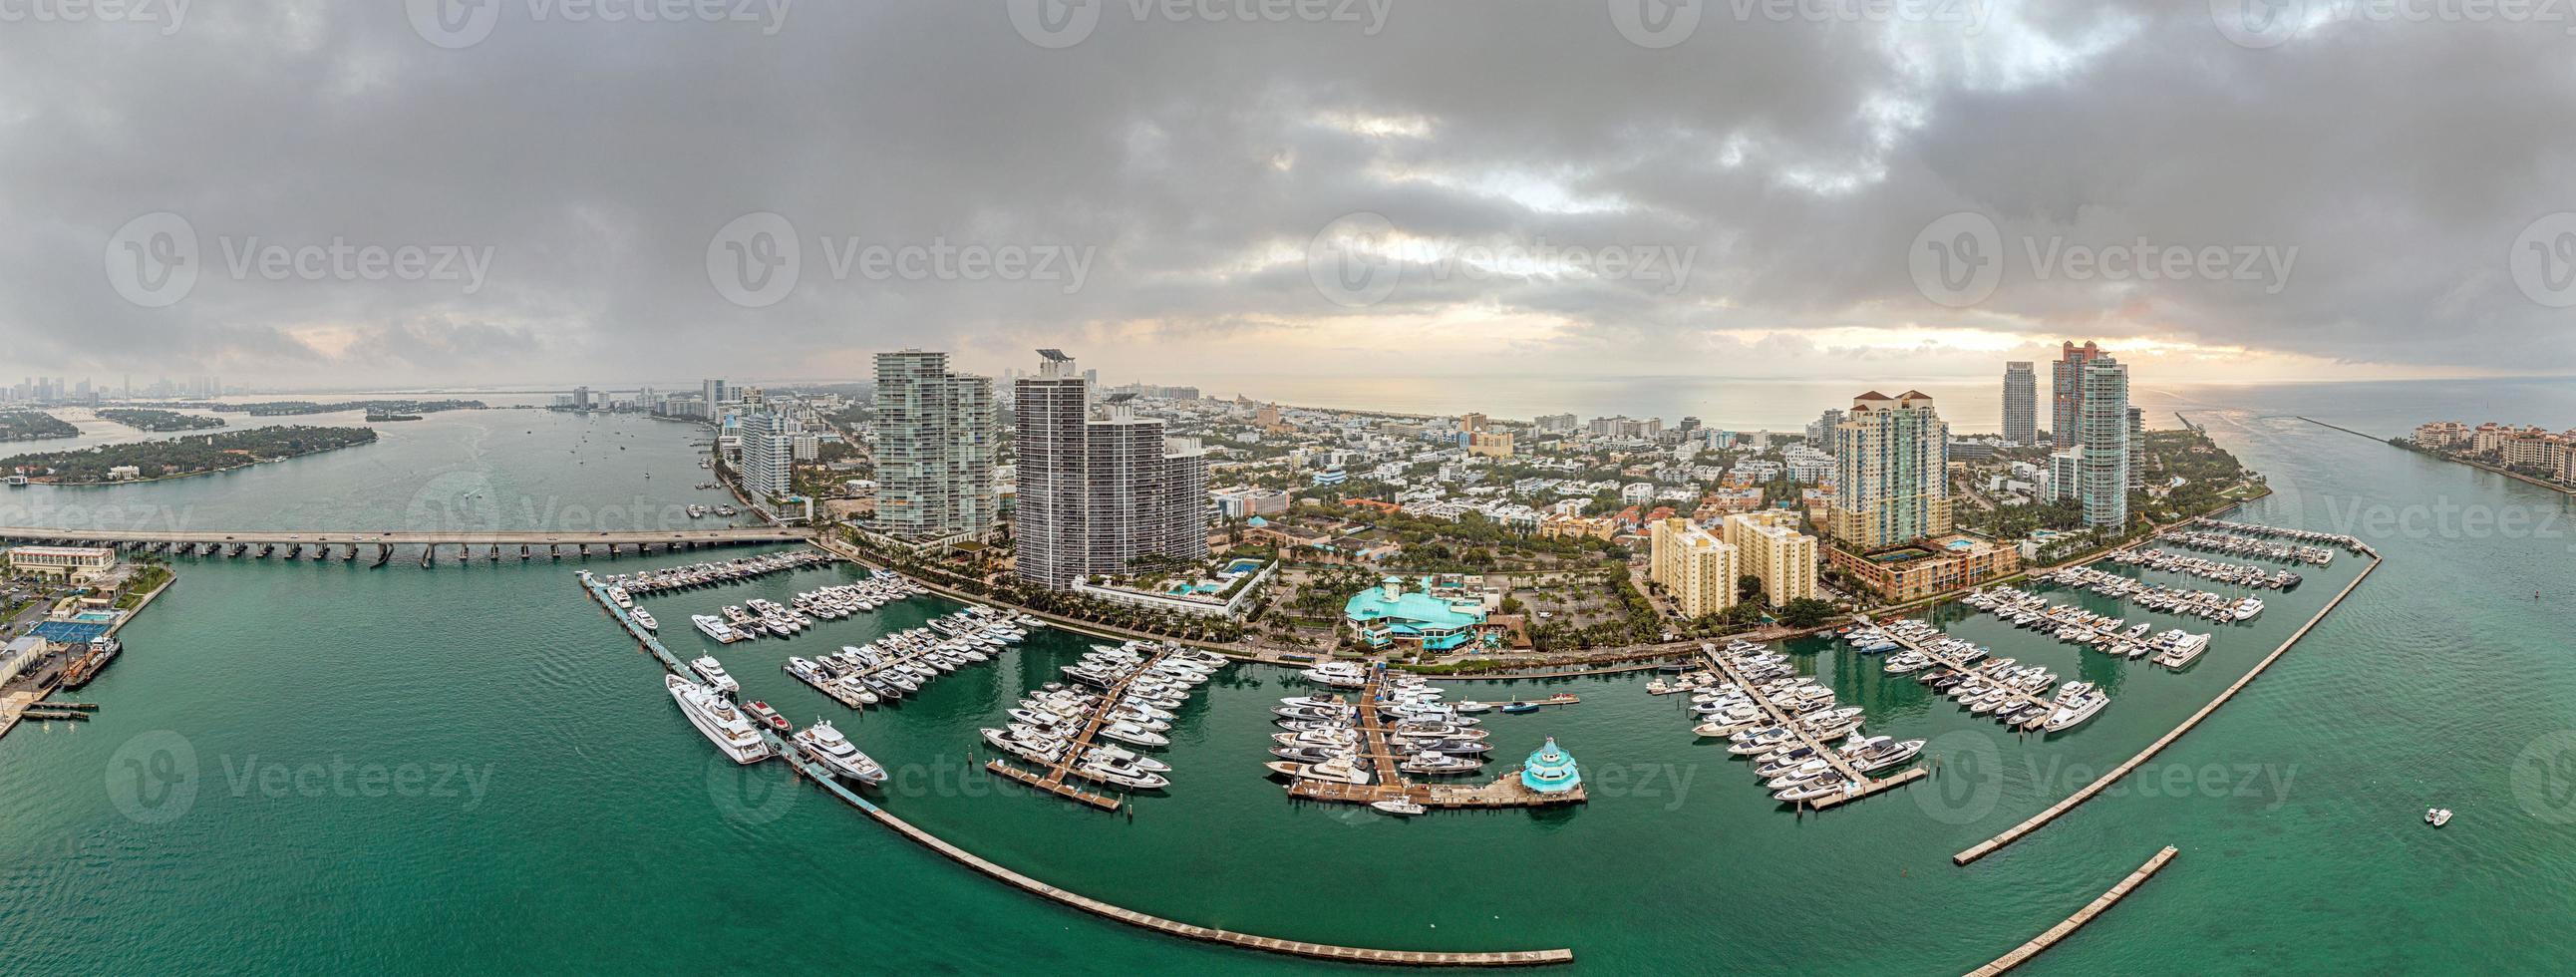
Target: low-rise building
point(1432, 618)
point(1917, 570)
point(73, 563)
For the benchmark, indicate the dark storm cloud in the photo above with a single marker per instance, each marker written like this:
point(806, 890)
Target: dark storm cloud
point(1189, 161)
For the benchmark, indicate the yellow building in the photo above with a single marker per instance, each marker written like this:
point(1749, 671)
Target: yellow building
point(1770, 547)
point(1922, 569)
point(1694, 566)
point(73, 563)
point(1554, 527)
point(1491, 444)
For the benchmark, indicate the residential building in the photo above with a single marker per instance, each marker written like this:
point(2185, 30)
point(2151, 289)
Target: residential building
point(1244, 503)
point(2137, 448)
point(2021, 403)
point(1697, 569)
point(1890, 472)
point(768, 444)
point(1489, 444)
point(1097, 494)
point(2066, 392)
point(1769, 546)
point(2102, 461)
point(1921, 569)
point(935, 437)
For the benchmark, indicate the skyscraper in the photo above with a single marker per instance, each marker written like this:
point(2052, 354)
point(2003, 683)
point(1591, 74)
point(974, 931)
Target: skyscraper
point(935, 437)
point(2021, 403)
point(1094, 495)
point(2066, 392)
point(2102, 462)
point(1890, 479)
point(2137, 448)
point(768, 455)
point(715, 393)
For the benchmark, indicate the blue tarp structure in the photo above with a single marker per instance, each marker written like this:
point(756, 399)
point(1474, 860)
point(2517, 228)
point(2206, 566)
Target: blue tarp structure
point(68, 632)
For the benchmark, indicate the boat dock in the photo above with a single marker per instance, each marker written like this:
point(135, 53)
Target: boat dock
point(2041, 819)
point(1053, 780)
point(1865, 785)
point(2019, 698)
point(2022, 954)
point(1387, 781)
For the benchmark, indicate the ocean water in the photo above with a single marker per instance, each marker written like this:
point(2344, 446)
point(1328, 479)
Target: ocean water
point(309, 768)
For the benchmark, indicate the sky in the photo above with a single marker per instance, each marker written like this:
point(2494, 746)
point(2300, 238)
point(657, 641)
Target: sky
point(316, 194)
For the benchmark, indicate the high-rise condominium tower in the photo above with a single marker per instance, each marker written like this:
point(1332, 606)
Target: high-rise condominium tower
point(1890, 478)
point(2021, 403)
point(935, 433)
point(1098, 494)
point(2102, 463)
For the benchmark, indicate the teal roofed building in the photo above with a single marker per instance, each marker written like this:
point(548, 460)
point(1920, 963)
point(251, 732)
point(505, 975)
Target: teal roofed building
point(1551, 770)
point(1392, 614)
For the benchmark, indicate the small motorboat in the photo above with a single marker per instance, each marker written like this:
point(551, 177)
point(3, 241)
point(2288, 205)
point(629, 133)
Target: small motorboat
point(1517, 708)
point(767, 716)
point(1400, 807)
point(2438, 816)
point(1472, 706)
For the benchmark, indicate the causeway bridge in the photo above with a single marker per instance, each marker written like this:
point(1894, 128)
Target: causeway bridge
point(320, 544)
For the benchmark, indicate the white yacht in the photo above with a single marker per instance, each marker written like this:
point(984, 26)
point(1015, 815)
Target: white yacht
point(713, 627)
point(713, 671)
point(644, 619)
point(624, 600)
point(717, 719)
point(826, 746)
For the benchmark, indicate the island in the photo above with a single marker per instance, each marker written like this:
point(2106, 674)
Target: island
point(284, 408)
point(33, 425)
point(195, 454)
point(142, 419)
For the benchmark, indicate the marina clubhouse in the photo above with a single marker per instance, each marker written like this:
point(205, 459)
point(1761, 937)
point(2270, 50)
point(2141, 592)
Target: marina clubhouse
point(1432, 618)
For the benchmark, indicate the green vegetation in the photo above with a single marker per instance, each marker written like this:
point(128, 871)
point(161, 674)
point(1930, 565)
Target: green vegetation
point(194, 454)
point(287, 408)
point(148, 578)
point(1806, 612)
point(142, 419)
point(32, 425)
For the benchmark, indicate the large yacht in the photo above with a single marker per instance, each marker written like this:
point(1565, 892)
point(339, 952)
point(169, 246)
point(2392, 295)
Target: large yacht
point(717, 718)
point(713, 671)
point(644, 619)
point(825, 745)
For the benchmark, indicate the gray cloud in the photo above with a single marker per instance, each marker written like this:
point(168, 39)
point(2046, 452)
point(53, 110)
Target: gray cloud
point(1195, 159)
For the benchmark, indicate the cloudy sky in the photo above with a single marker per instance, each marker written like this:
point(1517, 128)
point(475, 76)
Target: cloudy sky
point(538, 191)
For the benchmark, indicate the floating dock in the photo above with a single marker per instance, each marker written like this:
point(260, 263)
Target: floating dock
point(1388, 782)
point(1052, 780)
point(2022, 954)
point(1866, 784)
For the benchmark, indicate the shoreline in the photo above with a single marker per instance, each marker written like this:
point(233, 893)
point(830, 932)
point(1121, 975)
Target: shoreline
point(2455, 459)
point(253, 463)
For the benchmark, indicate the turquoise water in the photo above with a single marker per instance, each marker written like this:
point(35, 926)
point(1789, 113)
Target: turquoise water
point(467, 768)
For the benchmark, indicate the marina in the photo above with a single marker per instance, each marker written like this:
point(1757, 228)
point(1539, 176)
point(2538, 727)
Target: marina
point(1353, 755)
point(1059, 728)
point(2173, 648)
point(1834, 774)
point(2017, 696)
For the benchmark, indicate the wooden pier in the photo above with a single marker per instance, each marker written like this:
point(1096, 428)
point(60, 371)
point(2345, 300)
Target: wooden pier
point(1865, 784)
point(1053, 777)
point(2105, 901)
point(1387, 780)
point(2041, 819)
